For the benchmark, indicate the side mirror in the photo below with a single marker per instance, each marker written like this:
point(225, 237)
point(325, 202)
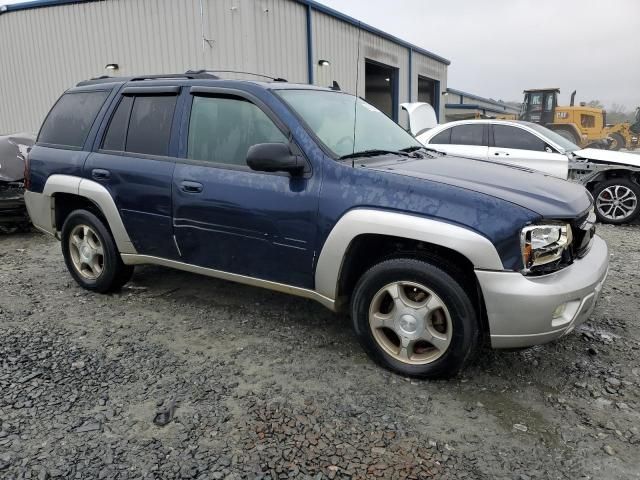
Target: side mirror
point(274, 157)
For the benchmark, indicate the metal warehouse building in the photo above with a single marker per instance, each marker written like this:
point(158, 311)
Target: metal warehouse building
point(462, 105)
point(49, 45)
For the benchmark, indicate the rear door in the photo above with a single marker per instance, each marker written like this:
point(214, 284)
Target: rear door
point(229, 217)
point(466, 140)
point(134, 160)
point(516, 146)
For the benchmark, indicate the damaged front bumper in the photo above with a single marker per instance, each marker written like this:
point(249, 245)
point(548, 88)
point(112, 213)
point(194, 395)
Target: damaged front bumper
point(524, 311)
point(12, 207)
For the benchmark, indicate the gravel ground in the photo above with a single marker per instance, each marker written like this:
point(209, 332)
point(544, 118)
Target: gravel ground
point(181, 376)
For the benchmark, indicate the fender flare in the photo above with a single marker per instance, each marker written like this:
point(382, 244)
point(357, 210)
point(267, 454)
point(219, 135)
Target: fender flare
point(100, 196)
point(478, 249)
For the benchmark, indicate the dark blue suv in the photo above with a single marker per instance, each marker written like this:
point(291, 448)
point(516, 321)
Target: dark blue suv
point(316, 193)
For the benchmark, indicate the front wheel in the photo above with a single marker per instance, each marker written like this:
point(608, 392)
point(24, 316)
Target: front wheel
point(91, 255)
point(617, 201)
point(414, 318)
point(618, 141)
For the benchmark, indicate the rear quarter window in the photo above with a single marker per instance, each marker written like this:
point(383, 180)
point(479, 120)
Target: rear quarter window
point(71, 118)
point(443, 138)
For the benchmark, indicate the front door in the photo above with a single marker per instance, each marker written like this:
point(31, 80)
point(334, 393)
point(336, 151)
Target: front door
point(135, 160)
point(517, 146)
point(231, 218)
point(548, 108)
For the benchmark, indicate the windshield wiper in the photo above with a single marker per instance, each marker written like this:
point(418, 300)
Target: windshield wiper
point(374, 153)
point(413, 148)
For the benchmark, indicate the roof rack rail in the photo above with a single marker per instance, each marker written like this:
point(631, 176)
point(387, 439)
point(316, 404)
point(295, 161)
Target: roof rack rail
point(190, 75)
point(274, 79)
point(107, 78)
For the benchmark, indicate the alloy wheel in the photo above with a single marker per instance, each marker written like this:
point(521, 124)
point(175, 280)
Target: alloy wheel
point(87, 253)
point(410, 322)
point(616, 202)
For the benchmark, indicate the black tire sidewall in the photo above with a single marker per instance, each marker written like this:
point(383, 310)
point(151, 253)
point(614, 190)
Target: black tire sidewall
point(623, 182)
point(620, 143)
point(112, 263)
point(568, 135)
point(466, 331)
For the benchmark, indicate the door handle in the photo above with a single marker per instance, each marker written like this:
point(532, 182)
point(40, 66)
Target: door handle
point(506, 154)
point(100, 174)
point(188, 186)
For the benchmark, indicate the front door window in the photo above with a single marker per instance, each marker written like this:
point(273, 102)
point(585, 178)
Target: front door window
point(222, 129)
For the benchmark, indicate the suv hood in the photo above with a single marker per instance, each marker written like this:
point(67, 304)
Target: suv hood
point(547, 196)
point(609, 156)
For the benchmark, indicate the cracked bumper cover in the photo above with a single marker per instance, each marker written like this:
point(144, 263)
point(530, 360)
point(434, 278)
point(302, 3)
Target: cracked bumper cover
point(12, 207)
point(520, 309)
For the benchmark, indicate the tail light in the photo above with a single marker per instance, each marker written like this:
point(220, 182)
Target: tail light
point(27, 170)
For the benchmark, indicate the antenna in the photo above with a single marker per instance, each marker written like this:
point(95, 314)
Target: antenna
point(355, 99)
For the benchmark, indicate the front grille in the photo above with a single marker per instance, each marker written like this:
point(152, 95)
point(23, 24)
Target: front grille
point(583, 230)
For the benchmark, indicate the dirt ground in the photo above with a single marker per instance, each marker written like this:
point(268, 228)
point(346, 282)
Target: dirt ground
point(256, 384)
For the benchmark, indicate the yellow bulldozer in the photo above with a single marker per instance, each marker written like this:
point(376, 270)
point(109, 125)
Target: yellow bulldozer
point(626, 134)
point(583, 125)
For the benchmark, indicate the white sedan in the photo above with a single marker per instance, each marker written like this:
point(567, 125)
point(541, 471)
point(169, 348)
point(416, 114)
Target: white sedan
point(613, 178)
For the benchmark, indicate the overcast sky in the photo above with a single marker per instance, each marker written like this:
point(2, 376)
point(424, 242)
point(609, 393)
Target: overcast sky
point(498, 48)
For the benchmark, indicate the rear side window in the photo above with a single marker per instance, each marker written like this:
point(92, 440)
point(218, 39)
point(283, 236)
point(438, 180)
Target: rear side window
point(443, 138)
point(141, 124)
point(513, 137)
point(71, 118)
point(467, 135)
point(150, 124)
point(221, 129)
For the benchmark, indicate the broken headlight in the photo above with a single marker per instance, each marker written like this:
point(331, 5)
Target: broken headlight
point(544, 246)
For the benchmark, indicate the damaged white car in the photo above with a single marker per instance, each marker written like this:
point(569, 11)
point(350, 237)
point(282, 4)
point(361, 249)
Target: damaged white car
point(613, 178)
point(13, 213)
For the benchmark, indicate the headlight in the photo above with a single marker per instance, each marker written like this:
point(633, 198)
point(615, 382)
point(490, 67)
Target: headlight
point(543, 247)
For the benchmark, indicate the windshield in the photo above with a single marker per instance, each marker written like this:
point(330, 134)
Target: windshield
point(567, 145)
point(330, 115)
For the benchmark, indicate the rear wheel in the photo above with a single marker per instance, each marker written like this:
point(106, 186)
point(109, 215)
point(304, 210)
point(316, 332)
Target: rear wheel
point(414, 318)
point(618, 141)
point(91, 255)
point(617, 201)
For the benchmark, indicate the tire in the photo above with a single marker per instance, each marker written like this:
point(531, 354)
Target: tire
point(618, 141)
point(450, 315)
point(626, 192)
point(84, 235)
point(566, 134)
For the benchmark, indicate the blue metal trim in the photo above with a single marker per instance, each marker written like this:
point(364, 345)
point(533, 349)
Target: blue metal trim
point(357, 23)
point(310, 63)
point(38, 4)
point(395, 91)
point(410, 74)
point(436, 100)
